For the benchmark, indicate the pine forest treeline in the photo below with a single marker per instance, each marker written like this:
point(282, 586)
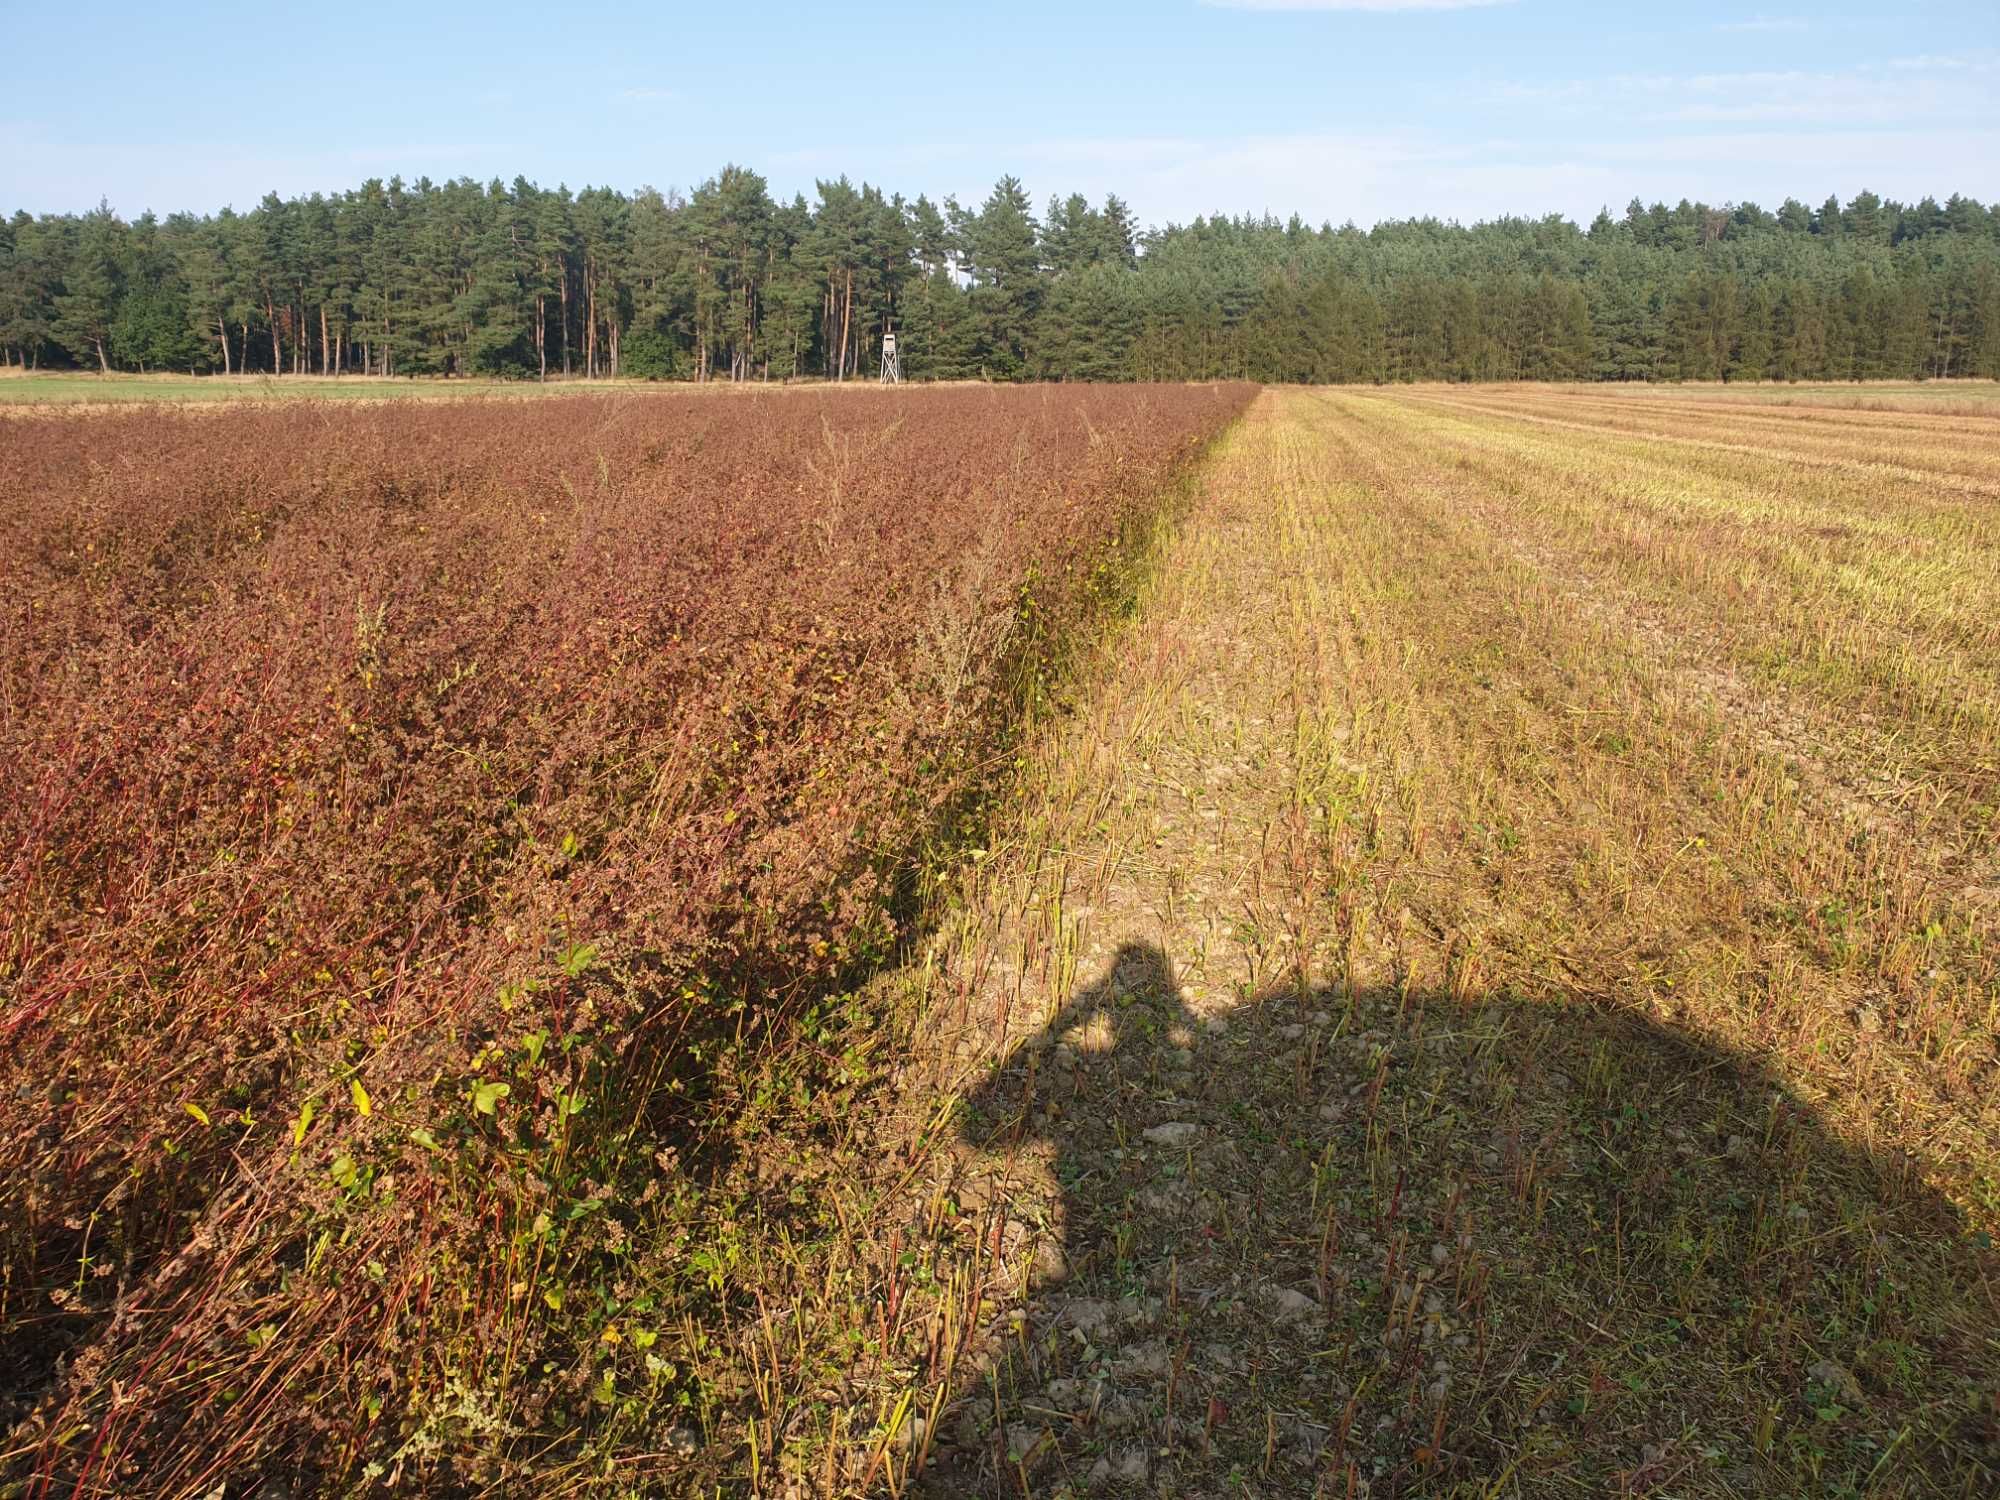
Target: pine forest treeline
point(460, 278)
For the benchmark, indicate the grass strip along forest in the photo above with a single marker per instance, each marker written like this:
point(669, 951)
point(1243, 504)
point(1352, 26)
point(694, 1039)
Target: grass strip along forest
point(419, 815)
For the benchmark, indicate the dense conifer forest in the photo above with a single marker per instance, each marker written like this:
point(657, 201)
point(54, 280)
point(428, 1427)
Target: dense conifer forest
point(460, 278)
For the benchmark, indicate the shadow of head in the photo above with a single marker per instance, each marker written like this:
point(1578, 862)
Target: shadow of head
point(1406, 1239)
point(1134, 1012)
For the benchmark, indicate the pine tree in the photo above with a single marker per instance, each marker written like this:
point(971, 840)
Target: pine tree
point(150, 330)
point(91, 286)
point(1003, 259)
point(29, 278)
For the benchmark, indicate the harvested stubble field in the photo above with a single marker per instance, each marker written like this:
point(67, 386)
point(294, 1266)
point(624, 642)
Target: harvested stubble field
point(1939, 397)
point(1498, 989)
point(1475, 976)
point(418, 814)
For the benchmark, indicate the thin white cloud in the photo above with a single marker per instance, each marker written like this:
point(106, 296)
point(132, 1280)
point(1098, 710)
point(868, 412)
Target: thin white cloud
point(204, 176)
point(1862, 95)
point(1378, 7)
point(1332, 177)
point(1943, 62)
point(1765, 23)
point(1324, 176)
point(649, 96)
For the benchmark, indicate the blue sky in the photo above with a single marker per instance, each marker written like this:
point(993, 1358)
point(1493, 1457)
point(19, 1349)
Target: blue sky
point(1336, 109)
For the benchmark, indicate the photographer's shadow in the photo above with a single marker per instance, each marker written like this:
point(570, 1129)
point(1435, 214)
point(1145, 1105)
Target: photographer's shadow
point(1396, 1243)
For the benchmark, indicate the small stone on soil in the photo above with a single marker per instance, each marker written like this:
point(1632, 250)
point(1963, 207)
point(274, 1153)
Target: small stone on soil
point(1128, 1466)
point(1293, 1307)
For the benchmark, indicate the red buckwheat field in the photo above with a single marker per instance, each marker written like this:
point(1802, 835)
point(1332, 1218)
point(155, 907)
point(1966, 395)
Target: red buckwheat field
point(403, 798)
